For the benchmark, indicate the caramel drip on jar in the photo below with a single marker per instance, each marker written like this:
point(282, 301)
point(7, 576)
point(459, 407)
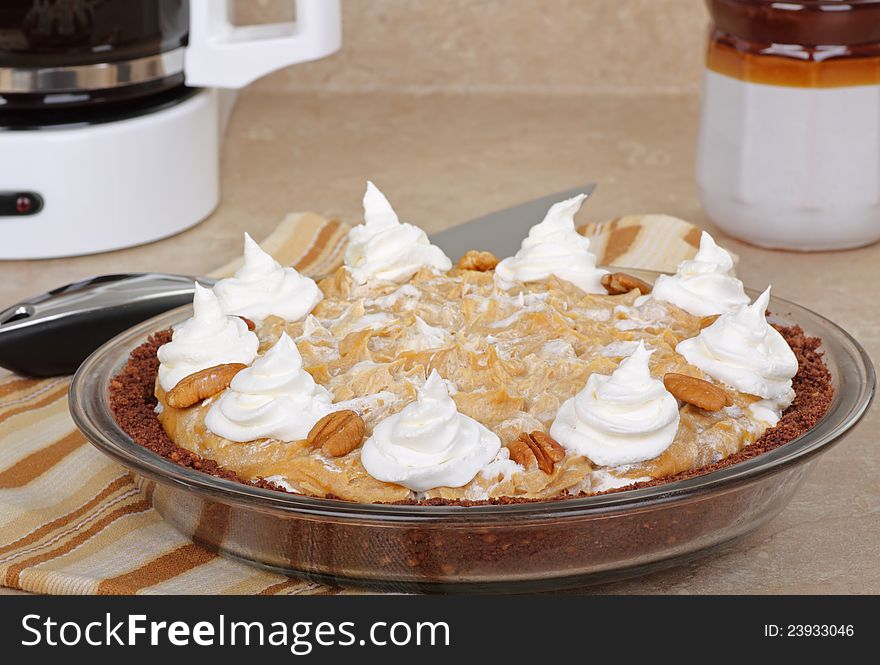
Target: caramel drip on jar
point(792, 66)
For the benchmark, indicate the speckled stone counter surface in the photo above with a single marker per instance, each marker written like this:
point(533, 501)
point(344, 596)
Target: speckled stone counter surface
point(445, 158)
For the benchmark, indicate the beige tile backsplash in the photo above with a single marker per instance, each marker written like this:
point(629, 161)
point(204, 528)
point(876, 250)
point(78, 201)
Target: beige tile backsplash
point(532, 46)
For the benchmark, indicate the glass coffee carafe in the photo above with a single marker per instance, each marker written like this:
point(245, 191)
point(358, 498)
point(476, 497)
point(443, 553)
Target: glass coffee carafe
point(59, 54)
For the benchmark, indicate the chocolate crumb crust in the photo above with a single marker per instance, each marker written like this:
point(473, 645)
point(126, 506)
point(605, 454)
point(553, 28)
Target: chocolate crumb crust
point(133, 403)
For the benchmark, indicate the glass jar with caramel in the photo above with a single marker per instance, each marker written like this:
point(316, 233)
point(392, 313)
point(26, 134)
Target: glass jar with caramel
point(789, 148)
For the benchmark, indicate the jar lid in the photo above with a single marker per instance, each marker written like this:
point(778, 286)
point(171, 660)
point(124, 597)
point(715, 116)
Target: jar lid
point(800, 22)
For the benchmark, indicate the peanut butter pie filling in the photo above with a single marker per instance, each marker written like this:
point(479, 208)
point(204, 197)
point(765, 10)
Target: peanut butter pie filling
point(403, 378)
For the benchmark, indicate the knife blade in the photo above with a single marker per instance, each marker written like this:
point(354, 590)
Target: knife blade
point(88, 313)
point(501, 232)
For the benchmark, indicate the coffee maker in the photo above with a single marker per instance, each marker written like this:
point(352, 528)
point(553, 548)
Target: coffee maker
point(112, 113)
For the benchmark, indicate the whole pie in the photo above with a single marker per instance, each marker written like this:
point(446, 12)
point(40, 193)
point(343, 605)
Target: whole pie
point(401, 377)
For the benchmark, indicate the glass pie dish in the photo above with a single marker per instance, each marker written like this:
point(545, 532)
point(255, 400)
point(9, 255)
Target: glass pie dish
point(503, 548)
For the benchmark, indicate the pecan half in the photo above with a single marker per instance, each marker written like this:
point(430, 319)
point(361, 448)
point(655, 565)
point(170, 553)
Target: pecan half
point(337, 433)
point(618, 283)
point(707, 321)
point(201, 385)
point(250, 324)
point(695, 391)
point(536, 449)
point(477, 260)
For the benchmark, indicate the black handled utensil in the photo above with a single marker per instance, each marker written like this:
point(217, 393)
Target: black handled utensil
point(53, 333)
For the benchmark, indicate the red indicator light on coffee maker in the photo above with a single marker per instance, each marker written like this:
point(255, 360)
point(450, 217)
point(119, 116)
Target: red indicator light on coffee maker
point(24, 204)
point(20, 204)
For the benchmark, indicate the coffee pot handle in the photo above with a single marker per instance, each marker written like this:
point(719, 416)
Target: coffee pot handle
point(224, 55)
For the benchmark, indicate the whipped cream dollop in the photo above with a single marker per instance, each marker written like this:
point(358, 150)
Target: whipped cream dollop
point(208, 338)
point(703, 285)
point(383, 248)
point(429, 443)
point(769, 411)
point(262, 288)
point(744, 351)
point(275, 398)
point(623, 418)
point(554, 247)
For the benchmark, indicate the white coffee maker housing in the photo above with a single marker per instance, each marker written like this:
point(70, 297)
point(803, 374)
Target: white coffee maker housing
point(85, 187)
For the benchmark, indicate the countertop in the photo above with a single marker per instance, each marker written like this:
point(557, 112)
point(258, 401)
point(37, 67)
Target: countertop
point(442, 159)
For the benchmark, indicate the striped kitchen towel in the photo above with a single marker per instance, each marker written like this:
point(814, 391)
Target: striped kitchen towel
point(73, 522)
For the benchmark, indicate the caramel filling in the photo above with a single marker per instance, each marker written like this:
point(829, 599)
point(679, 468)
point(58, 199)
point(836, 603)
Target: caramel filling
point(514, 360)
